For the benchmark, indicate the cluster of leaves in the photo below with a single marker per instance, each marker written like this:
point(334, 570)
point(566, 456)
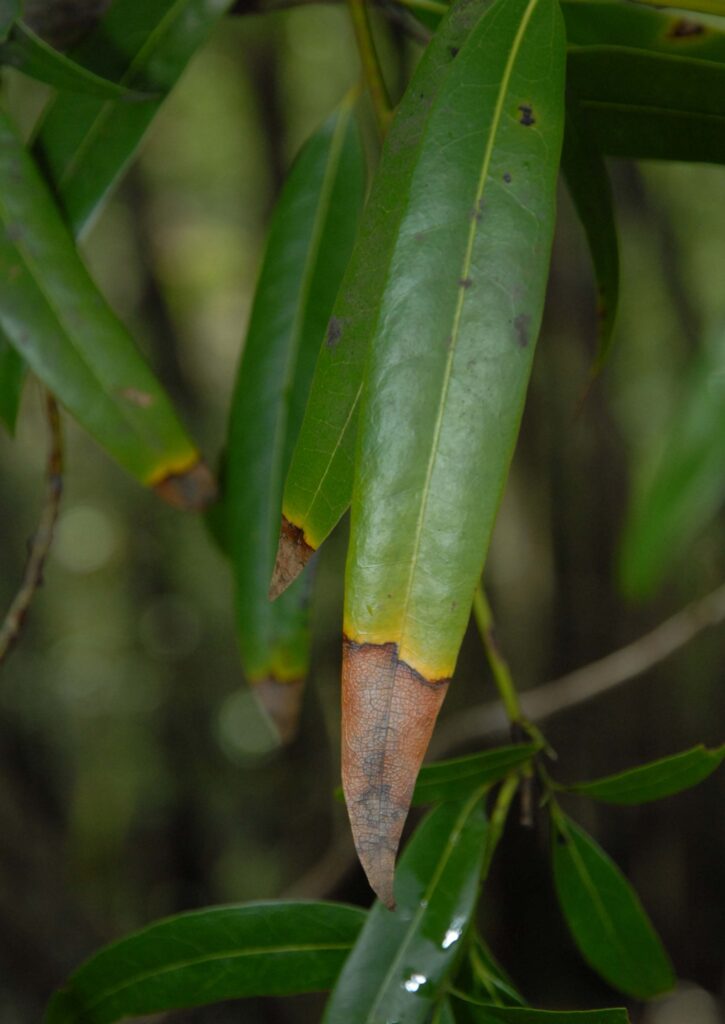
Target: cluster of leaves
point(386, 367)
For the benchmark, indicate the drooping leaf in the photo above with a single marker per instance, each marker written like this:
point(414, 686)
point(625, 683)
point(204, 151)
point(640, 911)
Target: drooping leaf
point(28, 53)
point(85, 143)
point(401, 959)
point(206, 956)
point(685, 486)
point(588, 183)
point(655, 780)
point(319, 483)
point(52, 313)
point(453, 779)
point(12, 377)
point(459, 309)
point(604, 914)
point(9, 13)
point(310, 239)
point(470, 1012)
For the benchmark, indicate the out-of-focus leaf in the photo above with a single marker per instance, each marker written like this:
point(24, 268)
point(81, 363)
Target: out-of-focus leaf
point(604, 914)
point(85, 143)
point(52, 313)
point(716, 7)
point(452, 780)
point(457, 318)
point(489, 974)
point(470, 1012)
point(10, 11)
point(685, 487)
point(12, 377)
point(401, 959)
point(443, 1013)
point(209, 955)
point(35, 58)
point(310, 239)
point(590, 189)
point(653, 781)
point(319, 483)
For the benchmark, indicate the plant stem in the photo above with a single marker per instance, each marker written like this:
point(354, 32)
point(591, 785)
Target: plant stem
point(499, 665)
point(371, 64)
point(498, 818)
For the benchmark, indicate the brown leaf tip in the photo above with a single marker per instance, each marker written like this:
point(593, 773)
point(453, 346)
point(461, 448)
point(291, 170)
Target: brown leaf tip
point(293, 554)
point(388, 713)
point(282, 702)
point(192, 490)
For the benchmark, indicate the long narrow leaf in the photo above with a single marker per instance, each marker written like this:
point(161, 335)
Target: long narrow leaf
point(53, 314)
point(653, 781)
point(451, 780)
point(210, 955)
point(458, 317)
point(319, 483)
point(606, 918)
point(470, 1012)
point(311, 236)
point(12, 377)
point(86, 143)
point(401, 960)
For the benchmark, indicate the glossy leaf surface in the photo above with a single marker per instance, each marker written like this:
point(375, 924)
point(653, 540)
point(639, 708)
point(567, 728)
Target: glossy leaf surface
point(319, 484)
point(86, 143)
point(588, 183)
point(34, 57)
point(52, 313)
point(653, 781)
point(401, 959)
point(604, 914)
point(684, 487)
point(481, 1013)
point(210, 955)
point(310, 239)
point(12, 377)
point(453, 779)
point(444, 390)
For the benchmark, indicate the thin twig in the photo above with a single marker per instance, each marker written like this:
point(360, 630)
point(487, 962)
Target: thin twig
point(42, 539)
point(371, 64)
point(569, 691)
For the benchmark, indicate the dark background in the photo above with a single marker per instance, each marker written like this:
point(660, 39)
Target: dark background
point(138, 779)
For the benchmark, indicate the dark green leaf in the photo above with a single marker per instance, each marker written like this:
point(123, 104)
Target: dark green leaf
point(588, 184)
point(53, 314)
point(489, 974)
point(210, 955)
point(452, 780)
point(35, 58)
point(684, 488)
point(310, 239)
point(84, 143)
point(401, 959)
point(10, 11)
point(606, 918)
point(653, 781)
point(482, 1013)
point(12, 378)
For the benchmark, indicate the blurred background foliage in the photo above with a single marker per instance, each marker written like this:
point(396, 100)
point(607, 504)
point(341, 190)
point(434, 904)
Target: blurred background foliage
point(138, 777)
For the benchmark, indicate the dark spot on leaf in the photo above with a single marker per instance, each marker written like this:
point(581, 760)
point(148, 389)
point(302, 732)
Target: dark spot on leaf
point(521, 326)
point(477, 211)
point(683, 28)
point(419, 236)
point(334, 332)
point(140, 398)
point(561, 839)
point(465, 282)
point(507, 178)
point(454, 51)
point(527, 115)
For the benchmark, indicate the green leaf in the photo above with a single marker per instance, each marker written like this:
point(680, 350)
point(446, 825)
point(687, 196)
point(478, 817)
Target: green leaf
point(590, 189)
point(683, 488)
point(653, 781)
point(606, 918)
point(84, 143)
point(12, 378)
point(10, 11)
point(457, 318)
point(319, 483)
point(310, 239)
point(453, 779)
point(35, 58)
point(52, 313)
point(401, 960)
point(489, 974)
point(485, 1013)
point(206, 956)
point(443, 1013)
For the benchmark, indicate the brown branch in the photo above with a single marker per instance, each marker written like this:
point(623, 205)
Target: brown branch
point(42, 539)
